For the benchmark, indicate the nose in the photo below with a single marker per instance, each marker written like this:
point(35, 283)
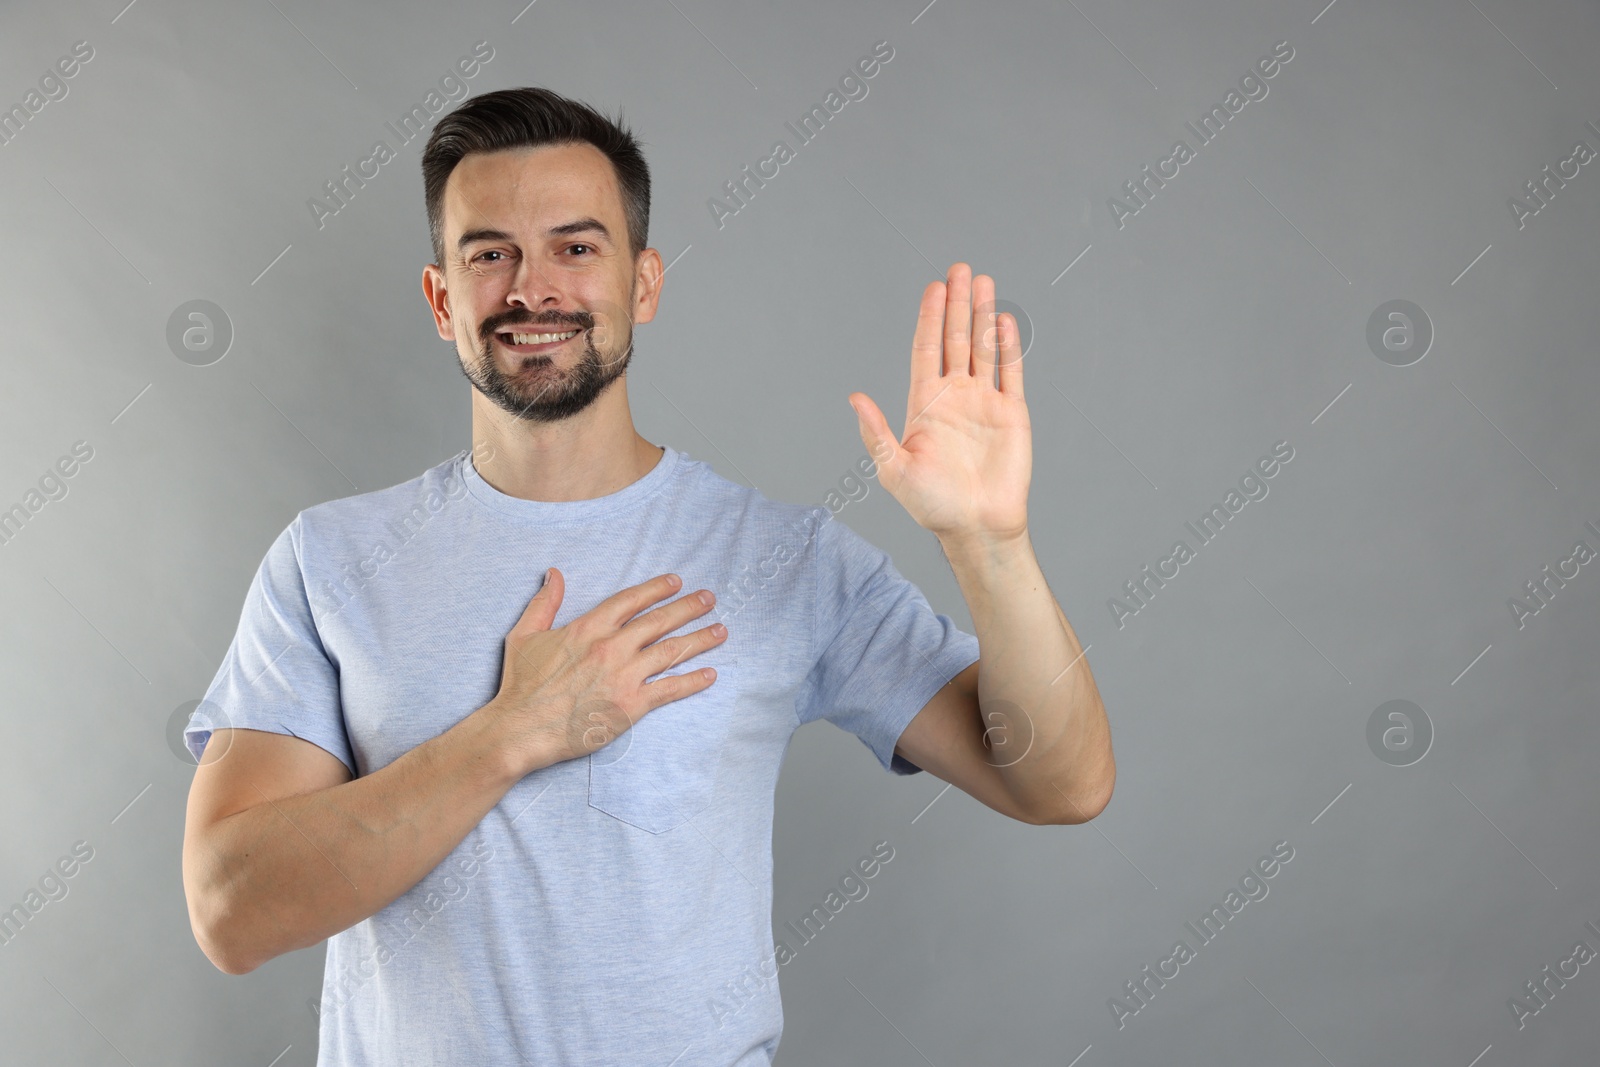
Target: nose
point(532, 289)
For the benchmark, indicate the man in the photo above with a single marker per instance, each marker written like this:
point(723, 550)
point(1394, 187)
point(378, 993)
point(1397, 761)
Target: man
point(539, 830)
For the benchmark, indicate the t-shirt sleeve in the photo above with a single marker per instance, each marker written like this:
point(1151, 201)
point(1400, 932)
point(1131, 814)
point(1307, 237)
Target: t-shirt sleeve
point(277, 676)
point(879, 652)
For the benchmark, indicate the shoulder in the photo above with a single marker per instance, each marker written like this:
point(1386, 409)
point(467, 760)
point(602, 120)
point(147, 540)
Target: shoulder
point(360, 513)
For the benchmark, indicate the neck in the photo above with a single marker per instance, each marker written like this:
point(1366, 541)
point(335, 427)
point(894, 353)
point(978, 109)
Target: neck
point(580, 458)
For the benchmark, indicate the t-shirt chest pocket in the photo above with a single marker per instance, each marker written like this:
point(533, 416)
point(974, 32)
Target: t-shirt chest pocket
point(662, 772)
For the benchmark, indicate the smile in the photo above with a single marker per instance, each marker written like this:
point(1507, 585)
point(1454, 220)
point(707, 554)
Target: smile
point(535, 342)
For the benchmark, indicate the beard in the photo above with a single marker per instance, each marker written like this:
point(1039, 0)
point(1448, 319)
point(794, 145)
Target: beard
point(540, 390)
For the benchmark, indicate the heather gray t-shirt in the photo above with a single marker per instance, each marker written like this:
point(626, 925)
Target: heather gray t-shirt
point(611, 908)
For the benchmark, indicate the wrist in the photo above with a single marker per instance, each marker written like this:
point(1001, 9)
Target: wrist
point(504, 757)
point(984, 547)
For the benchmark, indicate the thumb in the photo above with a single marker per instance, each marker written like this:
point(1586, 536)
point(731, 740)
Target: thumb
point(541, 610)
point(875, 432)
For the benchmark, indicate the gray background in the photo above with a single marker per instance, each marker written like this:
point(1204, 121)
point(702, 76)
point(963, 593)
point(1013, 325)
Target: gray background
point(1229, 314)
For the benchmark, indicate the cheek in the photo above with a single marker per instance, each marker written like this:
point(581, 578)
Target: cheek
point(473, 302)
point(613, 318)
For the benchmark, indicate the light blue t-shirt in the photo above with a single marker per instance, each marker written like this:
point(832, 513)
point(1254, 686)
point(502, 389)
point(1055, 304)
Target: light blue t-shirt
point(611, 909)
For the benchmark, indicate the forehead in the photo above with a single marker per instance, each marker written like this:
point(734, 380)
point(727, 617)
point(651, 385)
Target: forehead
point(530, 187)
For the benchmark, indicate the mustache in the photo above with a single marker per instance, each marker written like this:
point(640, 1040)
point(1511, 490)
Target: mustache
point(545, 324)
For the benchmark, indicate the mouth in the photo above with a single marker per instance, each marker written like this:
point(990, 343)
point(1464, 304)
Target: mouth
point(533, 342)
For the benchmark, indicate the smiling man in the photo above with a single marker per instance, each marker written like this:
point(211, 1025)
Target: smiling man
point(482, 732)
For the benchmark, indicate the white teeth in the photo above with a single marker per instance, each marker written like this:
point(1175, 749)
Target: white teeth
point(540, 338)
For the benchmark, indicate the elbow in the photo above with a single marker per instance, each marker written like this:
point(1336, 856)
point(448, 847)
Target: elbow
point(1086, 803)
point(1108, 784)
point(224, 958)
point(212, 936)
point(225, 963)
point(216, 926)
point(1096, 805)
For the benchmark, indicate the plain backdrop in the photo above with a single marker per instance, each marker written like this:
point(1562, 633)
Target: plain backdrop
point(1169, 349)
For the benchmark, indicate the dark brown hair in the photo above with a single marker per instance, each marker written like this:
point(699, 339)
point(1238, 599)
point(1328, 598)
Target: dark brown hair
point(526, 118)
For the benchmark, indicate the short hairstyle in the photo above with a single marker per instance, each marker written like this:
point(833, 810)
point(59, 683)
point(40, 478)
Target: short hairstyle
point(527, 118)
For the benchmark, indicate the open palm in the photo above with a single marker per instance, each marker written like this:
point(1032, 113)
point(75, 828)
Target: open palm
point(964, 465)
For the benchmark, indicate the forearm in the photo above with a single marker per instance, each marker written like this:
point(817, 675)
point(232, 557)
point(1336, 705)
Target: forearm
point(1032, 661)
point(288, 873)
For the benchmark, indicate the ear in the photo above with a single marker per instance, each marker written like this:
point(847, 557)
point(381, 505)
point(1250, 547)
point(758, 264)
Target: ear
point(649, 276)
point(433, 291)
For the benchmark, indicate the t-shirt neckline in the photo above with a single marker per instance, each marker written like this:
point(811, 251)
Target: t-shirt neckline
point(567, 511)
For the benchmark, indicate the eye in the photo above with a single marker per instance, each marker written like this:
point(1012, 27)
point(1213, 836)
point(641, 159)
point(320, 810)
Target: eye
point(491, 252)
point(589, 247)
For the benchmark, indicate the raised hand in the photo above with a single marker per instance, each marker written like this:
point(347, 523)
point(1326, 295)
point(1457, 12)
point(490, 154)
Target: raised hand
point(963, 467)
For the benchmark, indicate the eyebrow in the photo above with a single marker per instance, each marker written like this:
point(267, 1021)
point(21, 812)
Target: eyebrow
point(566, 229)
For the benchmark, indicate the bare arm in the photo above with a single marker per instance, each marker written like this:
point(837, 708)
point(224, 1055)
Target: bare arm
point(282, 848)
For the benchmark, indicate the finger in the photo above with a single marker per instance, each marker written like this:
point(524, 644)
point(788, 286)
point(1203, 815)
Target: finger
point(665, 655)
point(983, 329)
point(538, 616)
point(654, 625)
point(927, 344)
point(1010, 356)
point(677, 686)
point(616, 609)
point(880, 440)
point(541, 610)
point(958, 321)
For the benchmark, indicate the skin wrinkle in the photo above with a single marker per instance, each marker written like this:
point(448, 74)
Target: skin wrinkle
point(576, 185)
point(595, 372)
point(461, 264)
point(458, 260)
